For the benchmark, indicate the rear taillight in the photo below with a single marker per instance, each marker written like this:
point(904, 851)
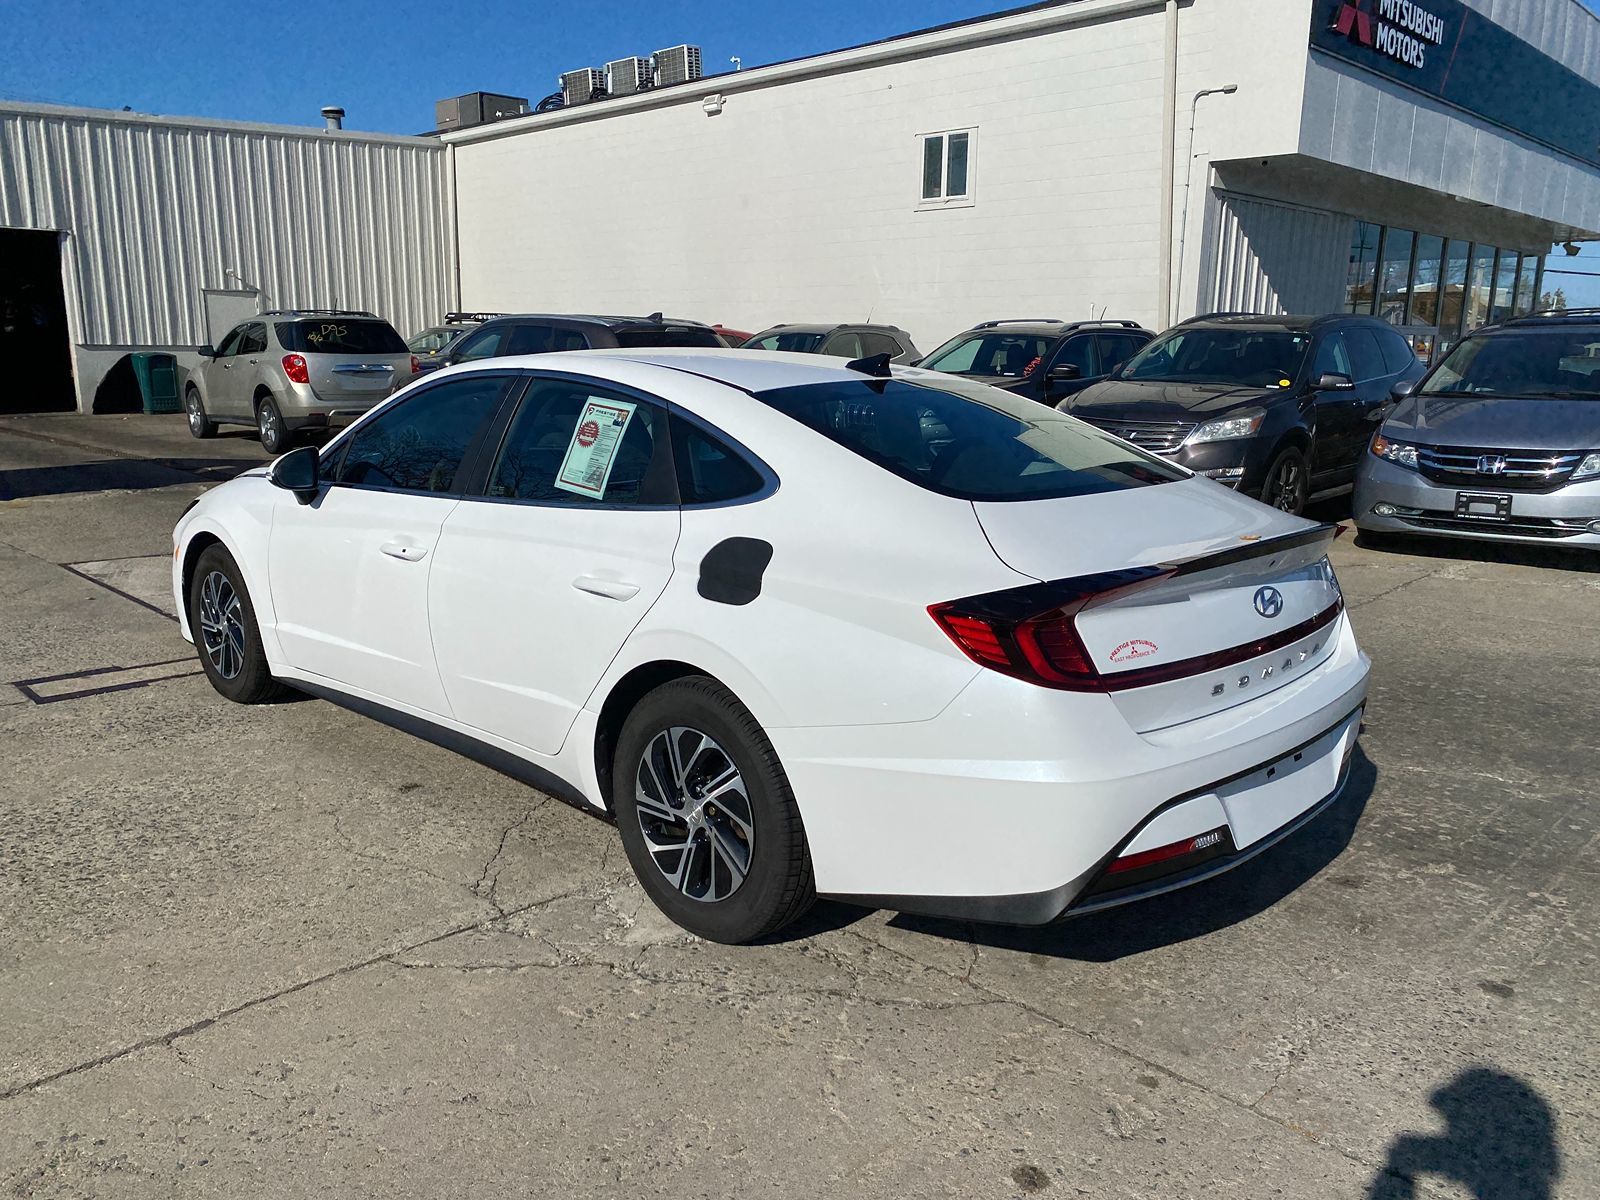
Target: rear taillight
point(415, 365)
point(294, 366)
point(1030, 632)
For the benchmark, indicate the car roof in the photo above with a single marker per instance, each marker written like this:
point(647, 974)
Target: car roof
point(609, 322)
point(747, 370)
point(1566, 318)
point(1296, 322)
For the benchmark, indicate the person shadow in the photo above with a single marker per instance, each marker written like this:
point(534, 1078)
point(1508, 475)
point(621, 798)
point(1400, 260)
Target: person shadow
point(1499, 1142)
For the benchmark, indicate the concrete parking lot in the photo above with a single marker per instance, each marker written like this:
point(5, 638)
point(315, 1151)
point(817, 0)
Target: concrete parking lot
point(286, 952)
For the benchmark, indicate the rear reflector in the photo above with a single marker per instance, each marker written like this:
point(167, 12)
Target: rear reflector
point(1147, 858)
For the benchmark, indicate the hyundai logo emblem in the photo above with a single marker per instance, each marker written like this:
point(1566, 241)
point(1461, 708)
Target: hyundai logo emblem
point(1269, 602)
point(1491, 464)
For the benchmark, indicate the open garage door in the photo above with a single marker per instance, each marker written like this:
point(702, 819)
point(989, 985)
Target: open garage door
point(34, 345)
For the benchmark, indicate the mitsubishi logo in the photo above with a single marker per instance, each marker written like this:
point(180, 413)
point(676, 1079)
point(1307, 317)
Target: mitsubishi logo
point(1269, 601)
point(1354, 22)
point(1491, 464)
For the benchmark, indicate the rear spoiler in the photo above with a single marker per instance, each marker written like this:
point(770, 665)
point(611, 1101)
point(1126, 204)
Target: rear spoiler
point(1246, 550)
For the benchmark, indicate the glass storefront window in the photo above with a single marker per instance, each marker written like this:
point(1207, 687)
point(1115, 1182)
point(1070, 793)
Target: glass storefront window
point(1505, 285)
point(1480, 286)
point(1527, 286)
point(1425, 281)
point(1358, 292)
point(1452, 287)
point(1394, 275)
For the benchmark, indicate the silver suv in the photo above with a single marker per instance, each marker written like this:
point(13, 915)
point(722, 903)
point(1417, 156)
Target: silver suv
point(284, 371)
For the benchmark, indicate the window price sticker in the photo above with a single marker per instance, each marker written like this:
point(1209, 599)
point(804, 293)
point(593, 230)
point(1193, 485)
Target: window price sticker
point(586, 469)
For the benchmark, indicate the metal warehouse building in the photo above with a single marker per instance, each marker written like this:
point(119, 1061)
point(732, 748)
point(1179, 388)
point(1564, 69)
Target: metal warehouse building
point(1416, 158)
point(121, 231)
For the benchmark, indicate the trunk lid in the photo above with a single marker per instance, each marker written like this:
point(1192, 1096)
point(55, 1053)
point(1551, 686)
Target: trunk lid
point(356, 376)
point(1240, 602)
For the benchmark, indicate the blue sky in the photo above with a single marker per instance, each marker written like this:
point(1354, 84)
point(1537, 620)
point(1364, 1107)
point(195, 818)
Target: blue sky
point(387, 62)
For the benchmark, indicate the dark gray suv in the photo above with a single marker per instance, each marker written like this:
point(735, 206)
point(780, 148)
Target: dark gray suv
point(544, 333)
point(841, 341)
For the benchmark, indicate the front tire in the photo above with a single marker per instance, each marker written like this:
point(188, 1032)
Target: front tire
point(226, 636)
point(200, 425)
point(1288, 481)
point(269, 426)
point(706, 814)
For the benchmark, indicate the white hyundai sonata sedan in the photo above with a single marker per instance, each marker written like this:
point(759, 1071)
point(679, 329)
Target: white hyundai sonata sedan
point(801, 628)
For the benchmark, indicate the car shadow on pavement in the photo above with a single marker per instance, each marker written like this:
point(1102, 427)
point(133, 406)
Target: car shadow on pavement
point(1250, 888)
point(115, 474)
point(1499, 1142)
point(1560, 558)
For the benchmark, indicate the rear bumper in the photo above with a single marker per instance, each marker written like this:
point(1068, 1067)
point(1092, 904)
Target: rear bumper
point(1010, 804)
point(1561, 517)
point(303, 408)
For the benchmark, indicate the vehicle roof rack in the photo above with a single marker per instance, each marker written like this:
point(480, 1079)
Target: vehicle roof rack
point(316, 312)
point(1020, 321)
point(456, 318)
point(1114, 322)
point(1218, 316)
point(1590, 311)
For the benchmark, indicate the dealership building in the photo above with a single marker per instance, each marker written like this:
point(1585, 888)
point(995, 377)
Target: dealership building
point(1137, 159)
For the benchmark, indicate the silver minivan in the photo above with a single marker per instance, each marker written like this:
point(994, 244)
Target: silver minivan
point(284, 371)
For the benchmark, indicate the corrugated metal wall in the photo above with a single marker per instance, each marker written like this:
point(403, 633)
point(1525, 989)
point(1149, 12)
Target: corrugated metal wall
point(1269, 257)
point(157, 210)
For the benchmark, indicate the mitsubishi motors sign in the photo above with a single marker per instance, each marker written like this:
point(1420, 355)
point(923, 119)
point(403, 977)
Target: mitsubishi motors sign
point(1398, 28)
point(1457, 55)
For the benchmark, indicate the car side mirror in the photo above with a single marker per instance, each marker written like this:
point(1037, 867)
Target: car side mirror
point(1332, 381)
point(1403, 389)
point(208, 351)
point(1065, 373)
point(298, 471)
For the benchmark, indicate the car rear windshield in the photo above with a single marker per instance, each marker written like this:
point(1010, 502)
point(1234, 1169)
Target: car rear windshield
point(795, 341)
point(971, 441)
point(667, 335)
point(991, 355)
point(1522, 362)
point(340, 335)
point(1265, 358)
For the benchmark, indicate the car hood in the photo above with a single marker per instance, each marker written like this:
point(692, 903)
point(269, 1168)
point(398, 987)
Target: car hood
point(1497, 422)
point(1179, 401)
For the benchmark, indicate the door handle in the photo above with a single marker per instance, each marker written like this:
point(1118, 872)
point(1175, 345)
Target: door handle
point(402, 551)
point(611, 589)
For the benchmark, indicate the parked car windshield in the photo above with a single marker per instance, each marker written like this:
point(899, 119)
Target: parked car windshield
point(971, 442)
point(671, 335)
point(796, 342)
point(990, 355)
point(340, 335)
point(1267, 358)
point(1522, 362)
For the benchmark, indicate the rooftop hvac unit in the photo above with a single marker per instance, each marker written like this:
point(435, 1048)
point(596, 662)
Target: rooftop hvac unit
point(626, 76)
point(477, 108)
point(677, 65)
point(580, 87)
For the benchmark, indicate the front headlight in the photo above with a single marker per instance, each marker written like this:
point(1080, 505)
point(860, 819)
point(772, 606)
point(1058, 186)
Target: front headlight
point(1226, 429)
point(1589, 466)
point(1401, 453)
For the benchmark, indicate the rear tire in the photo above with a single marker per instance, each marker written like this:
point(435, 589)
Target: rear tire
point(1288, 482)
point(706, 814)
point(200, 425)
point(275, 438)
point(226, 636)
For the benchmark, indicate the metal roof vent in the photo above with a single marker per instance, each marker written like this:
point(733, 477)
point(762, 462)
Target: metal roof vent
point(333, 117)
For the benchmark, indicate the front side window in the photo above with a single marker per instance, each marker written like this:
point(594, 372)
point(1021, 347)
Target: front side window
point(1527, 362)
point(230, 344)
point(947, 166)
point(991, 355)
point(1333, 357)
point(645, 336)
point(1078, 352)
point(340, 335)
point(483, 344)
point(968, 441)
point(418, 445)
point(529, 339)
point(844, 345)
point(1268, 358)
point(1118, 348)
point(573, 443)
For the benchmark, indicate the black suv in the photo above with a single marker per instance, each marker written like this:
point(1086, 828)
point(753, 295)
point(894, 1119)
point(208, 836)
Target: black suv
point(1278, 407)
point(538, 333)
point(1045, 360)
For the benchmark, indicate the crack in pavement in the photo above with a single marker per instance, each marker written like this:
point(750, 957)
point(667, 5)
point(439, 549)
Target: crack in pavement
point(491, 897)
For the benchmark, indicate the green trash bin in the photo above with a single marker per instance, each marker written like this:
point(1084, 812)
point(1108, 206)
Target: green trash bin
point(158, 382)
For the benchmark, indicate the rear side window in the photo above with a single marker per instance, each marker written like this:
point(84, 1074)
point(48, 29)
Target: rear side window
point(254, 340)
point(880, 343)
point(992, 355)
point(571, 443)
point(794, 341)
point(340, 335)
point(844, 345)
point(1397, 353)
point(529, 339)
point(973, 442)
point(710, 472)
point(667, 335)
point(1118, 348)
point(1365, 355)
point(483, 344)
point(418, 445)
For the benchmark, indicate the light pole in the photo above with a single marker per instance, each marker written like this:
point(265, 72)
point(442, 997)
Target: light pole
point(1226, 89)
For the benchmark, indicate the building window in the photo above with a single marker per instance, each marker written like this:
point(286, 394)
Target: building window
point(947, 167)
point(1363, 267)
point(1394, 275)
point(1527, 285)
point(1453, 287)
point(1425, 280)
